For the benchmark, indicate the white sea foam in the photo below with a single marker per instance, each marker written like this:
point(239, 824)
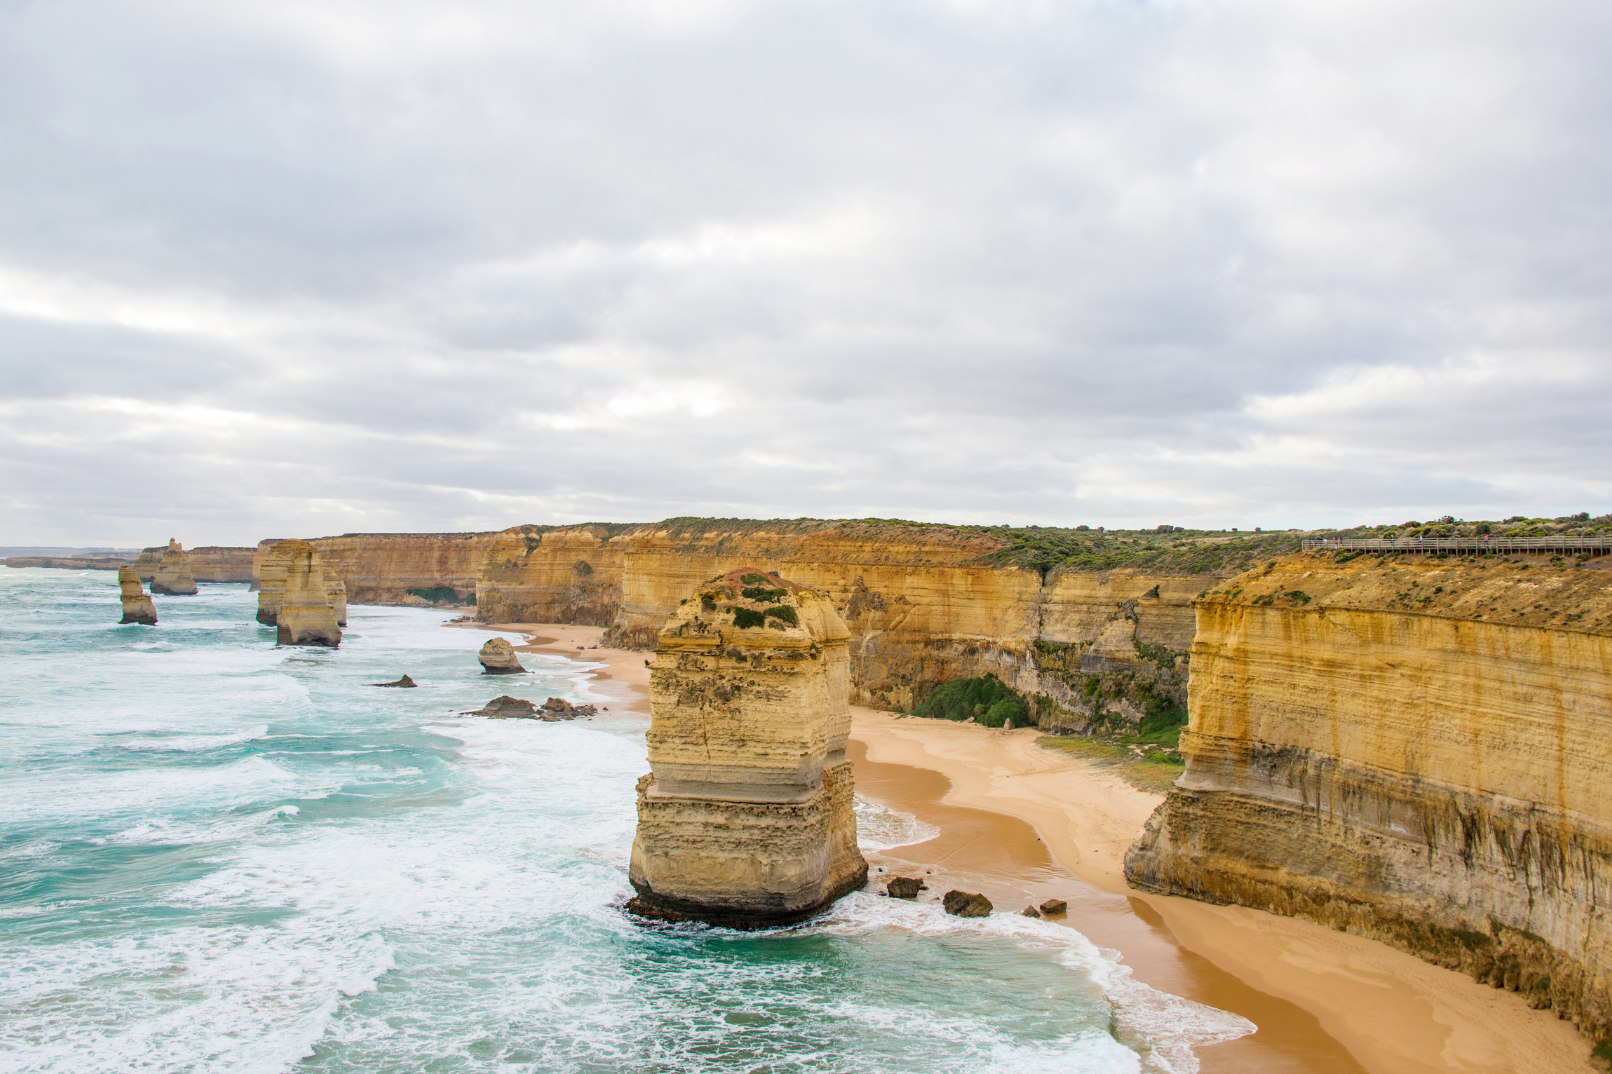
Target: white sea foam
point(878, 827)
point(198, 743)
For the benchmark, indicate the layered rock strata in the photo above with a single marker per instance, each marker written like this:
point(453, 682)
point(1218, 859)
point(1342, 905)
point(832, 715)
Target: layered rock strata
point(923, 603)
point(436, 569)
point(173, 577)
point(207, 563)
point(1411, 749)
point(137, 605)
point(270, 580)
point(498, 657)
point(305, 615)
point(746, 819)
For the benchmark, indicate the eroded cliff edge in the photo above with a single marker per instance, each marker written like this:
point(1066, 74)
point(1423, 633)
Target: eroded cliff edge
point(1411, 749)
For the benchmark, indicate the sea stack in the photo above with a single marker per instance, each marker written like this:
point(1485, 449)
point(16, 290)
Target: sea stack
point(745, 818)
point(336, 590)
point(137, 606)
point(498, 658)
point(271, 585)
point(173, 577)
point(305, 615)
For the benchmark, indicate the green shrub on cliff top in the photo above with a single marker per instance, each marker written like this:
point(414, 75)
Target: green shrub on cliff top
point(746, 617)
point(989, 700)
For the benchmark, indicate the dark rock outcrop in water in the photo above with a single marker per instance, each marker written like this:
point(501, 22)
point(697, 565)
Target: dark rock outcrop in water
point(405, 682)
point(505, 708)
point(137, 606)
point(745, 819)
point(904, 887)
point(173, 577)
point(498, 658)
point(966, 904)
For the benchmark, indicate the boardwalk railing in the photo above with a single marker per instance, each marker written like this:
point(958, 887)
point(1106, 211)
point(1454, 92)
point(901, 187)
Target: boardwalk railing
point(1465, 546)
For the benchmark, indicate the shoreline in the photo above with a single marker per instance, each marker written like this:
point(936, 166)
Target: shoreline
point(1023, 824)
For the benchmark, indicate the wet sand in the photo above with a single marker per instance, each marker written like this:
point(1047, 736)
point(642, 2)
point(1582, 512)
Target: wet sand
point(1023, 824)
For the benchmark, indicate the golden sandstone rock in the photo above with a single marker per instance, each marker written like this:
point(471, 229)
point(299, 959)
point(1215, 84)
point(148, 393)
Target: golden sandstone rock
point(173, 577)
point(498, 657)
point(746, 817)
point(270, 574)
point(305, 615)
point(137, 606)
point(1413, 749)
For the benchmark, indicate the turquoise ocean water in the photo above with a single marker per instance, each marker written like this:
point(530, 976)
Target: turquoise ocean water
point(220, 855)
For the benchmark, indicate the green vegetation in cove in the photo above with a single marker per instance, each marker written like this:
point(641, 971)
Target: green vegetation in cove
point(987, 700)
point(443, 594)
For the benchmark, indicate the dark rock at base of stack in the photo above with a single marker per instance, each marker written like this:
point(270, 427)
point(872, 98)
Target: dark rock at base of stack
point(966, 904)
point(904, 887)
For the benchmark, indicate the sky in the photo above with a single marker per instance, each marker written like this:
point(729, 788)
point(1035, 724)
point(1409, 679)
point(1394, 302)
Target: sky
point(300, 268)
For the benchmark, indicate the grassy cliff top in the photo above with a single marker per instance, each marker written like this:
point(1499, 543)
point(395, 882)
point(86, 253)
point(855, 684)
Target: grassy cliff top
point(1164, 549)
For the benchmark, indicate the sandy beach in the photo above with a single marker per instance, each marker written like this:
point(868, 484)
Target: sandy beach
point(1023, 824)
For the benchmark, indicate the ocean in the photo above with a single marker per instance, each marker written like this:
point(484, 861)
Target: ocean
point(221, 855)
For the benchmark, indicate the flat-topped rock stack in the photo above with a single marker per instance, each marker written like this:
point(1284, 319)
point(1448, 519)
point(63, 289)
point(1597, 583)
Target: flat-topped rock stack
point(173, 577)
point(305, 615)
point(270, 583)
point(137, 605)
point(745, 819)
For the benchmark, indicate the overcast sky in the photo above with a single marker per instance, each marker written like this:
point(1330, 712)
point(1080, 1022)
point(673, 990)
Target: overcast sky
point(302, 267)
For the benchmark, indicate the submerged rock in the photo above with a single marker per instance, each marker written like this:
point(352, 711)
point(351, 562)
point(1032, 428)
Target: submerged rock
point(505, 708)
point(405, 681)
point(966, 904)
point(173, 577)
point(904, 887)
point(745, 818)
point(137, 606)
point(498, 658)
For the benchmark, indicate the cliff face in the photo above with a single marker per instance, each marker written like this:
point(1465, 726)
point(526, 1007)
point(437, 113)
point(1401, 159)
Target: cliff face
point(746, 817)
point(568, 575)
point(209, 563)
point(921, 604)
point(1413, 750)
point(399, 568)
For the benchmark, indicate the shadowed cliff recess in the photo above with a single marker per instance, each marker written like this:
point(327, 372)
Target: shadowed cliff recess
point(745, 819)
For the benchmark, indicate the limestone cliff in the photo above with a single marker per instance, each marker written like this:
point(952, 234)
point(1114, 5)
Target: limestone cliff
point(173, 577)
point(1412, 749)
point(746, 816)
point(137, 605)
point(305, 615)
point(923, 603)
point(208, 563)
point(399, 568)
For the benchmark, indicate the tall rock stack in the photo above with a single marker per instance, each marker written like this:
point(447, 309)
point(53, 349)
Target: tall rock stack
point(271, 585)
point(137, 606)
point(336, 590)
point(173, 577)
point(305, 615)
point(745, 819)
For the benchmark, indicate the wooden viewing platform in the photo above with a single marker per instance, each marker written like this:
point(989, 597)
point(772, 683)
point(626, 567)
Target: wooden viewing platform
point(1463, 546)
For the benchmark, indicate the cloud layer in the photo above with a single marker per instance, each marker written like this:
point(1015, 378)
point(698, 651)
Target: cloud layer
point(306, 268)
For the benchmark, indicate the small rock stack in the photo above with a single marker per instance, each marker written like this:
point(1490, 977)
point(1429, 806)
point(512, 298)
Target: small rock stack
point(137, 606)
point(498, 658)
point(173, 577)
point(306, 615)
point(745, 819)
